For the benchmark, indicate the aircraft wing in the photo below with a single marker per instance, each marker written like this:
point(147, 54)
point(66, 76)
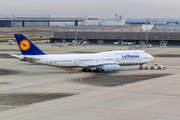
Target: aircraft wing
point(97, 64)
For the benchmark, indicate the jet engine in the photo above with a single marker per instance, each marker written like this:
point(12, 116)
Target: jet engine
point(109, 68)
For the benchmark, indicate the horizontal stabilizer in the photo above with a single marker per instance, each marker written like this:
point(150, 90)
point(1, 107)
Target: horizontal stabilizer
point(17, 56)
point(24, 57)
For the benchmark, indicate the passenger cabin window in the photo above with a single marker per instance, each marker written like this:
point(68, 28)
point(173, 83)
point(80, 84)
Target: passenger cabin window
point(135, 53)
point(87, 60)
point(121, 53)
point(62, 61)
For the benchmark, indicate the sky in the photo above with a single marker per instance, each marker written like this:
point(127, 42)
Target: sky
point(99, 8)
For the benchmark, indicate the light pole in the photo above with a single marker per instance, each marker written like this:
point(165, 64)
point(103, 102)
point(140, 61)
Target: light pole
point(75, 30)
point(147, 33)
point(13, 21)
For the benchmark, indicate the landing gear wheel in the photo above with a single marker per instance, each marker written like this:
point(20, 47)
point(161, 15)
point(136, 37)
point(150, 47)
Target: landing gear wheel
point(140, 67)
point(89, 70)
point(86, 70)
point(97, 71)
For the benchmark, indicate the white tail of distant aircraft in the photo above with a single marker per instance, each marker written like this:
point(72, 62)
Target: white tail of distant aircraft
point(104, 61)
point(10, 42)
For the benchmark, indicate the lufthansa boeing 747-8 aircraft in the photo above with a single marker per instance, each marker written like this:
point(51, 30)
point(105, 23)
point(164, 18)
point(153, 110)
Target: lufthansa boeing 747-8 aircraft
point(104, 61)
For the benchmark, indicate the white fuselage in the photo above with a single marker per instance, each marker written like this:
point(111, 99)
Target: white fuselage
point(135, 57)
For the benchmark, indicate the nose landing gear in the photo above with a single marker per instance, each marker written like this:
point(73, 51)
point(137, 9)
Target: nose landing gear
point(140, 67)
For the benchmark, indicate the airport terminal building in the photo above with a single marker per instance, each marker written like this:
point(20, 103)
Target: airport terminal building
point(109, 37)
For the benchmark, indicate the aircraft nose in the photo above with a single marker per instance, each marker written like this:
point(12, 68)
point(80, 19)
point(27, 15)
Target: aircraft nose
point(150, 56)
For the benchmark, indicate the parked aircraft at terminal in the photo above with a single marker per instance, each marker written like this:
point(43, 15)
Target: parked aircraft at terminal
point(103, 61)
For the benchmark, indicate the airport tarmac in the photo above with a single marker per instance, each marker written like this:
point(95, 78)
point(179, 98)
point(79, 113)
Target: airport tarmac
point(29, 91)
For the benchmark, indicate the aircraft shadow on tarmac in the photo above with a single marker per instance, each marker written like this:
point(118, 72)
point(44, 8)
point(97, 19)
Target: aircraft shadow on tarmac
point(114, 80)
point(9, 71)
point(167, 55)
point(14, 100)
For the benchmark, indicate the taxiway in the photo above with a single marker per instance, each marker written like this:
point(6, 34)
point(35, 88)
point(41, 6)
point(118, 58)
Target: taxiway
point(51, 93)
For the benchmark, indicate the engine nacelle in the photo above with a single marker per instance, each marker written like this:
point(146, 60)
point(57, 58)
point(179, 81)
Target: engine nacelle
point(109, 68)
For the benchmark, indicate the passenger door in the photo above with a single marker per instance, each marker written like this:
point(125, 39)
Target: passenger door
point(140, 56)
point(97, 60)
point(118, 59)
point(75, 60)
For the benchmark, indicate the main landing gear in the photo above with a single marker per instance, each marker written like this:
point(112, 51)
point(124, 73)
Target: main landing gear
point(86, 70)
point(140, 67)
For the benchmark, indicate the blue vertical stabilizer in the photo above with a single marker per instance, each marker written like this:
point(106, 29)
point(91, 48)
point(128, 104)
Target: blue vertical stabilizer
point(26, 46)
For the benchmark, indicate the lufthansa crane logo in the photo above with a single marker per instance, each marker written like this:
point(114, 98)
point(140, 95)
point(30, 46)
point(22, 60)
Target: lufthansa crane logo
point(24, 45)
